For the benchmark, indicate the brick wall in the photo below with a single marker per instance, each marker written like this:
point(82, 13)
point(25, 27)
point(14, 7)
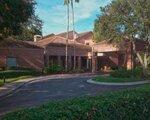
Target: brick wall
point(26, 57)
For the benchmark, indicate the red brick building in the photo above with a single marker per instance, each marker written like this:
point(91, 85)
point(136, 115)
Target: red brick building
point(21, 54)
point(51, 50)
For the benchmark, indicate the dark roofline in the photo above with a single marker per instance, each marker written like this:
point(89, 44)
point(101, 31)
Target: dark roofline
point(79, 46)
point(66, 32)
point(13, 43)
point(49, 35)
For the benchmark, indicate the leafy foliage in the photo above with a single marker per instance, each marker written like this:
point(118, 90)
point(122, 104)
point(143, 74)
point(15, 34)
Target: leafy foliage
point(30, 28)
point(126, 19)
point(53, 69)
point(123, 105)
point(14, 13)
point(123, 73)
point(69, 1)
point(17, 73)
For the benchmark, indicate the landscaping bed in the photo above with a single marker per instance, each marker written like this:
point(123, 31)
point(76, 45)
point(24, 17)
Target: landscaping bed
point(111, 79)
point(122, 76)
point(132, 104)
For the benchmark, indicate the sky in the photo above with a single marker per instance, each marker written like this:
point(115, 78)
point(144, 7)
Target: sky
point(53, 13)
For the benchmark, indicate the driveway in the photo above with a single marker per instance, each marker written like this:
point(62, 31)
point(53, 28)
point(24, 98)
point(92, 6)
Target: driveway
point(42, 91)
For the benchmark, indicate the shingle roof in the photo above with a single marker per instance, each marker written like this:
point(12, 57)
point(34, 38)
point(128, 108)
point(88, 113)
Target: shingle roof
point(64, 34)
point(49, 35)
point(85, 33)
point(13, 43)
point(60, 41)
point(84, 36)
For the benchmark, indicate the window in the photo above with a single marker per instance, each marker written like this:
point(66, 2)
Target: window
point(11, 62)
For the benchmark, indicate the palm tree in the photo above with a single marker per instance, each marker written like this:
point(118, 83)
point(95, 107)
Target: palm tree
point(73, 24)
point(67, 2)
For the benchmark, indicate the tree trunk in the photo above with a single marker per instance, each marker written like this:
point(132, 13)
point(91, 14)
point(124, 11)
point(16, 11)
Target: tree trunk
point(67, 38)
point(143, 61)
point(74, 48)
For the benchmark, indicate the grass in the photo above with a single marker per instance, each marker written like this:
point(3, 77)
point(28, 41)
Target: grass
point(111, 79)
point(14, 79)
point(131, 104)
point(14, 75)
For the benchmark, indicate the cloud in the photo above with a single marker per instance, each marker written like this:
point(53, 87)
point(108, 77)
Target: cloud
point(55, 17)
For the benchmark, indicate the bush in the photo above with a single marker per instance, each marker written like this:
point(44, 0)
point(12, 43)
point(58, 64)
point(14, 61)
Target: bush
point(114, 68)
point(18, 73)
point(20, 68)
point(123, 73)
point(53, 69)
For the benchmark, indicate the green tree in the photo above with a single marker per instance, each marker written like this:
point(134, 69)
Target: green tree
point(30, 28)
point(126, 19)
point(14, 13)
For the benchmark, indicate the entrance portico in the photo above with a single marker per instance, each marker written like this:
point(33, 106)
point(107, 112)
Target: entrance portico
point(107, 56)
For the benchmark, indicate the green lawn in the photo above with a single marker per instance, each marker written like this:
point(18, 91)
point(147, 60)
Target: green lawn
point(14, 75)
point(111, 79)
point(13, 79)
point(131, 104)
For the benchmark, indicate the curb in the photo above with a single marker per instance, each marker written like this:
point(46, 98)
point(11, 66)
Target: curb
point(119, 84)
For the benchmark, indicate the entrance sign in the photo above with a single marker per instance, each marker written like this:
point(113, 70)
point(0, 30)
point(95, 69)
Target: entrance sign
point(100, 54)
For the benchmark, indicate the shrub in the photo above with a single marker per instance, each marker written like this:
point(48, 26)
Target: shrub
point(17, 73)
point(114, 68)
point(53, 69)
point(123, 73)
point(20, 68)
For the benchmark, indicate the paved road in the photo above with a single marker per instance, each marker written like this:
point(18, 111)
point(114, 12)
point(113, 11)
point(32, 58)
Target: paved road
point(38, 92)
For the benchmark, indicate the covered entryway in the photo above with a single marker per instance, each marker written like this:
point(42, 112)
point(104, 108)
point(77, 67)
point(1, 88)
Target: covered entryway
point(107, 61)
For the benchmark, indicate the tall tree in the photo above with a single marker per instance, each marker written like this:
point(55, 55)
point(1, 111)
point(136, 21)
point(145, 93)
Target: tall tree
point(126, 19)
point(73, 25)
point(30, 28)
point(14, 13)
point(68, 3)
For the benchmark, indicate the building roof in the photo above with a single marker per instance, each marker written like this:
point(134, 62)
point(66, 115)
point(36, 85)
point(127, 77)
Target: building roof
point(13, 43)
point(49, 35)
point(105, 46)
point(64, 34)
point(85, 33)
point(85, 36)
point(60, 41)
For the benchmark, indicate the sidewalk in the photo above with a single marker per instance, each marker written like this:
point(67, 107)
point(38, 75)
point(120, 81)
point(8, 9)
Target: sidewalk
point(119, 84)
point(12, 87)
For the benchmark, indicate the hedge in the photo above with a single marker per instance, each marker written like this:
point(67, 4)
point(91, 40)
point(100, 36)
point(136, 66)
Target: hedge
point(17, 73)
point(123, 73)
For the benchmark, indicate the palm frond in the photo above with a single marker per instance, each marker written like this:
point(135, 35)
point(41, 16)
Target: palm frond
point(77, 1)
point(66, 2)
